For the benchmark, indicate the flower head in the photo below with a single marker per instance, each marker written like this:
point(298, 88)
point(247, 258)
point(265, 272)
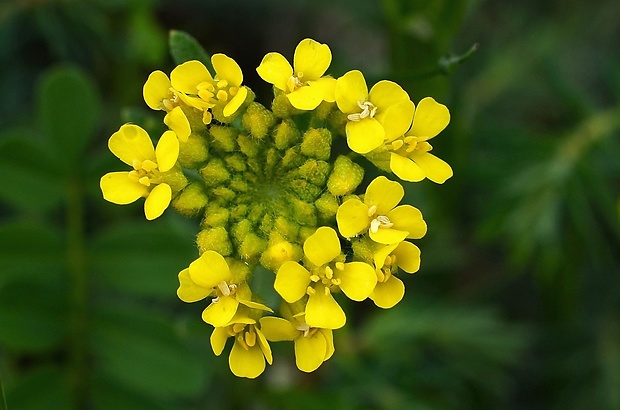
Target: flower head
point(366, 123)
point(303, 84)
point(387, 259)
point(328, 273)
point(132, 145)
point(378, 214)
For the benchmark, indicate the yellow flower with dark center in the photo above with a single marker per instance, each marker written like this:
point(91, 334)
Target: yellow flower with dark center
point(303, 84)
point(365, 128)
point(250, 350)
point(378, 214)
point(132, 145)
point(328, 273)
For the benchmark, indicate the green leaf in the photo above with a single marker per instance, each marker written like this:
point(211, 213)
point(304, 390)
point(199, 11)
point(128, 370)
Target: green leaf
point(184, 47)
point(143, 258)
point(109, 395)
point(69, 110)
point(44, 388)
point(30, 178)
point(30, 251)
point(139, 348)
point(33, 317)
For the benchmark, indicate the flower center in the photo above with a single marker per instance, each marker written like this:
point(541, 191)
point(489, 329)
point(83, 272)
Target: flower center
point(294, 82)
point(380, 221)
point(224, 289)
point(325, 275)
point(410, 144)
point(368, 110)
point(144, 172)
point(244, 334)
point(307, 330)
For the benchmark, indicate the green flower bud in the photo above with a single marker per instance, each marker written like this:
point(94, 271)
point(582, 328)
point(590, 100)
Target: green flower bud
point(191, 200)
point(281, 106)
point(215, 172)
point(323, 111)
point(224, 193)
point(345, 177)
point(252, 246)
point(248, 145)
point(223, 138)
point(238, 184)
point(317, 143)
point(277, 254)
point(193, 152)
point(315, 172)
point(214, 239)
point(304, 213)
point(256, 213)
point(286, 134)
point(239, 211)
point(215, 215)
point(241, 229)
point(292, 158)
point(327, 205)
point(175, 178)
point(266, 224)
point(304, 190)
point(257, 120)
point(288, 229)
point(236, 162)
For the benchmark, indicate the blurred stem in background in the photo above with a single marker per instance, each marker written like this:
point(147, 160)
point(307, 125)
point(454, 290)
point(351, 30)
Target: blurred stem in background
point(2, 398)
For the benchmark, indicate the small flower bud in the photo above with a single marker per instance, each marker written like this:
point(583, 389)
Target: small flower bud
point(215, 239)
point(191, 200)
point(345, 177)
point(252, 246)
point(327, 205)
point(223, 138)
point(215, 172)
point(279, 253)
point(193, 152)
point(175, 178)
point(215, 215)
point(317, 143)
point(257, 120)
point(286, 134)
point(248, 145)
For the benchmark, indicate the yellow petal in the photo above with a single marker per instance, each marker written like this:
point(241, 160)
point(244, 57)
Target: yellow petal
point(329, 337)
point(276, 70)
point(310, 352)
point(388, 293)
point(364, 135)
point(220, 313)
point(209, 270)
point(311, 59)
point(322, 246)
point(408, 218)
point(405, 168)
point(382, 253)
point(156, 89)
point(307, 97)
point(254, 305)
point(291, 281)
point(384, 194)
point(178, 122)
point(407, 257)
point(430, 118)
point(352, 218)
point(248, 363)
point(388, 236)
point(396, 120)
point(119, 189)
point(157, 201)
point(185, 77)
point(131, 143)
point(328, 84)
point(386, 93)
point(236, 102)
point(277, 329)
point(323, 311)
point(357, 280)
point(350, 89)
point(264, 346)
point(227, 69)
point(188, 291)
point(436, 169)
point(218, 339)
point(167, 151)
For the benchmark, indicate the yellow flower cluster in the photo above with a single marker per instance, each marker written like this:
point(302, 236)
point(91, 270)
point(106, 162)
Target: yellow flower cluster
point(270, 190)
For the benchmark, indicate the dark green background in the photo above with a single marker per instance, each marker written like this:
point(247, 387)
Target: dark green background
point(516, 305)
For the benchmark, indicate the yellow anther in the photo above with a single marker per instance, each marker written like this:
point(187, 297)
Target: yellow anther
point(388, 261)
point(397, 144)
point(222, 84)
point(205, 95)
point(387, 273)
point(325, 281)
point(233, 91)
point(336, 282)
point(250, 338)
point(168, 105)
point(145, 181)
point(329, 273)
point(242, 342)
point(380, 275)
point(148, 165)
point(315, 278)
point(326, 291)
point(230, 331)
point(393, 262)
point(204, 85)
point(238, 327)
point(134, 175)
point(410, 139)
point(300, 75)
point(424, 146)
point(136, 164)
point(310, 290)
point(371, 210)
point(222, 95)
point(207, 117)
point(339, 266)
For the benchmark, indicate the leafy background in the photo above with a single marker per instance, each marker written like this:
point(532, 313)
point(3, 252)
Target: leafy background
point(516, 305)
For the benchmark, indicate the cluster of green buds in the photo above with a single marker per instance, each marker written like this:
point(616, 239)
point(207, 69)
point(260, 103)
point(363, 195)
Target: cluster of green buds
point(278, 188)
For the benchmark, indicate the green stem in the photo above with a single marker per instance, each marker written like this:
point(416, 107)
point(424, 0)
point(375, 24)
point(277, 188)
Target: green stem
point(2, 398)
point(76, 254)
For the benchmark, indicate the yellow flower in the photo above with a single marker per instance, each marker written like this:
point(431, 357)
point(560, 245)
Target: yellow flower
point(303, 84)
point(313, 345)
point(250, 350)
point(210, 275)
point(327, 274)
point(410, 158)
point(132, 145)
point(379, 215)
point(390, 289)
point(366, 123)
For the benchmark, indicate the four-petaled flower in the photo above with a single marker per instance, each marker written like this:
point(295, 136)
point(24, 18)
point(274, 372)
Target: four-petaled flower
point(303, 84)
point(366, 123)
point(385, 222)
point(210, 275)
point(327, 273)
point(410, 158)
point(390, 289)
point(132, 145)
point(250, 350)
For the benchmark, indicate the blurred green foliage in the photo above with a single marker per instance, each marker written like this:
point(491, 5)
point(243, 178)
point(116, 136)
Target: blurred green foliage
point(516, 304)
